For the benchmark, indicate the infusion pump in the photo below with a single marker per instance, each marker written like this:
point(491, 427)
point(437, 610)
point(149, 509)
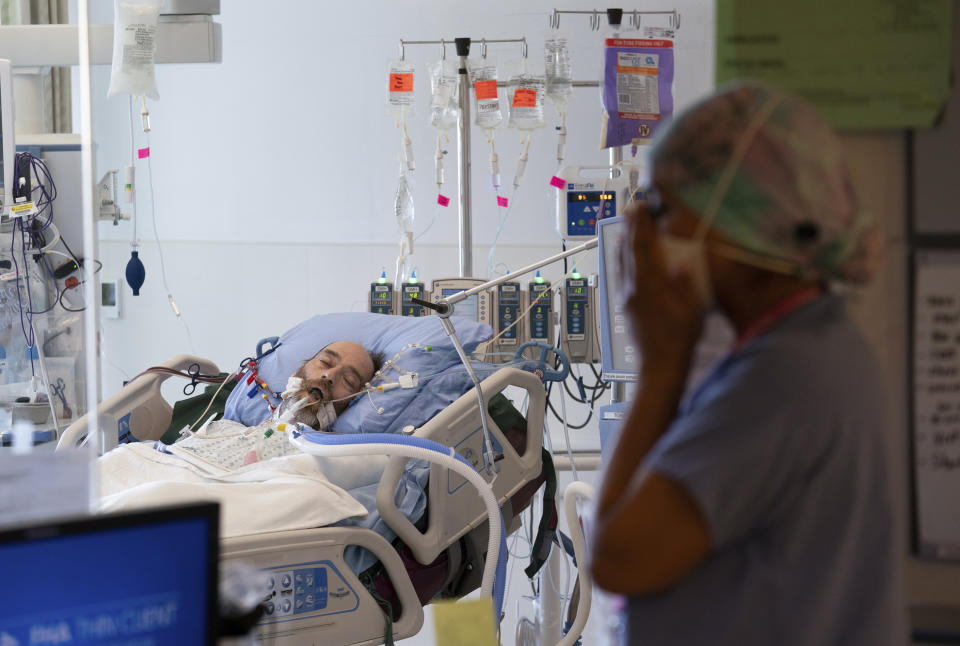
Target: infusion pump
point(591, 194)
point(477, 307)
point(564, 314)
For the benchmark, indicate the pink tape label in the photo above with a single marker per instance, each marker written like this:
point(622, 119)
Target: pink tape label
point(557, 181)
point(443, 200)
point(143, 153)
point(502, 201)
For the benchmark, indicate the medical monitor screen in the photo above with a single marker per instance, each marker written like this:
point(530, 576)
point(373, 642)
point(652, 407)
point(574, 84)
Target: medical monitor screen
point(468, 309)
point(619, 359)
point(141, 578)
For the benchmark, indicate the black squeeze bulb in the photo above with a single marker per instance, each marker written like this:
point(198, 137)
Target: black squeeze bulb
point(136, 273)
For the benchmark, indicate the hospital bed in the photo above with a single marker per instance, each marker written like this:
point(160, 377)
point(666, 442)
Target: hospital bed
point(315, 597)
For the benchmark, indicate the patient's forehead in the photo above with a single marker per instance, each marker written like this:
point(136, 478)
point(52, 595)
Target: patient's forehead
point(349, 353)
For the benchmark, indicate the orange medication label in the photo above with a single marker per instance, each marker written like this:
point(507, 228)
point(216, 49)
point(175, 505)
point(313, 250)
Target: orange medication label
point(485, 90)
point(401, 82)
point(524, 98)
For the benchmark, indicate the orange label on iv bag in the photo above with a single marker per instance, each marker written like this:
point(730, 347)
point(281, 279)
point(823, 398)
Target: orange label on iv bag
point(524, 98)
point(401, 82)
point(485, 90)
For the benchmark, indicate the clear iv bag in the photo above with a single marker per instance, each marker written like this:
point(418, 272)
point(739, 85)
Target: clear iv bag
point(486, 94)
point(526, 101)
point(400, 95)
point(134, 45)
point(559, 75)
point(444, 95)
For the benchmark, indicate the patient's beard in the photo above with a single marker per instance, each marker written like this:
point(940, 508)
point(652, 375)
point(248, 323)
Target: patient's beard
point(319, 416)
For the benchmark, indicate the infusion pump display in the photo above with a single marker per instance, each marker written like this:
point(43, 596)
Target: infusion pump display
point(476, 308)
point(584, 208)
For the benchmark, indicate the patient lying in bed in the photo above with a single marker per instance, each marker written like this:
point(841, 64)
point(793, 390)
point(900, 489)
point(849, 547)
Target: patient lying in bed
point(261, 479)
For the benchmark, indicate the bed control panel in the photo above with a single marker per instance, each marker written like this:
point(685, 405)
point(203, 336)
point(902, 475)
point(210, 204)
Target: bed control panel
point(307, 588)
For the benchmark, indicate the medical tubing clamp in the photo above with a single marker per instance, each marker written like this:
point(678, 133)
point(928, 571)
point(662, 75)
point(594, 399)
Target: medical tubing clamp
point(332, 445)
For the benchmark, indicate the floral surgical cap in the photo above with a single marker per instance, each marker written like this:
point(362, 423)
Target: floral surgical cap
point(788, 198)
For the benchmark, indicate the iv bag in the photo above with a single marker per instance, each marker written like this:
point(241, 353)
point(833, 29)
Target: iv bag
point(486, 103)
point(400, 96)
point(636, 87)
point(559, 75)
point(526, 101)
point(134, 46)
point(445, 95)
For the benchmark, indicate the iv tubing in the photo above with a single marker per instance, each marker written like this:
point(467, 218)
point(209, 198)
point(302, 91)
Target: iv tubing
point(488, 456)
point(566, 436)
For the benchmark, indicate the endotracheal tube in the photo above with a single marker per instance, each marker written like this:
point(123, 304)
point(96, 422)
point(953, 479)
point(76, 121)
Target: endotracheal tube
point(295, 400)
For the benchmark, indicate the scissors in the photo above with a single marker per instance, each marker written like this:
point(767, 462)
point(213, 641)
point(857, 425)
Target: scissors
point(60, 390)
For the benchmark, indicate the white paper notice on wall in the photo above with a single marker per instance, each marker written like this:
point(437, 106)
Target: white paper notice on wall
point(936, 403)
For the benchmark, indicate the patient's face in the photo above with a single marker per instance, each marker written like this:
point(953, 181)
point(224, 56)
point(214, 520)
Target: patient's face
point(338, 371)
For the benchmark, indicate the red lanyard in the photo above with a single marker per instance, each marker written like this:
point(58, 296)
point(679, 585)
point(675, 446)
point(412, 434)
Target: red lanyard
point(776, 313)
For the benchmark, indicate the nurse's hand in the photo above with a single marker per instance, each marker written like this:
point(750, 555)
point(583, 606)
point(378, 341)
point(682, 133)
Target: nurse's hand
point(665, 310)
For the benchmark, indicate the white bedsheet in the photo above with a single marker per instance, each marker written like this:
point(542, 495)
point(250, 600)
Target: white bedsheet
point(296, 491)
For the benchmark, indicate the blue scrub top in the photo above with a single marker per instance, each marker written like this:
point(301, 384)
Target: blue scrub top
point(783, 449)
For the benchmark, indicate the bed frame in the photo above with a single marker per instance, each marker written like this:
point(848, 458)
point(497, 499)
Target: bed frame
point(315, 598)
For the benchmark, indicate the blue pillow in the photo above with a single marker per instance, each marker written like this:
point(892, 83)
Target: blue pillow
point(377, 333)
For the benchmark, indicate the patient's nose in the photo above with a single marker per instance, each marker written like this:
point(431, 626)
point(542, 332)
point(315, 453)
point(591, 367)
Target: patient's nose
point(326, 382)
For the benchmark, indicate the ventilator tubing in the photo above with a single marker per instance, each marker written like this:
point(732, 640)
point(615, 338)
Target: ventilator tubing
point(579, 550)
point(333, 445)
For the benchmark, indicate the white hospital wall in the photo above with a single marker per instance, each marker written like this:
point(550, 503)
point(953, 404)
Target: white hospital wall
point(275, 173)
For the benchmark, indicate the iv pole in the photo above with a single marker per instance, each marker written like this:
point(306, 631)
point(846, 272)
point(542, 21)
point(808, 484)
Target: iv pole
point(463, 137)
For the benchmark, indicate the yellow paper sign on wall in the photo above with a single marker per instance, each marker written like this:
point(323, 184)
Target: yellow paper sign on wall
point(867, 64)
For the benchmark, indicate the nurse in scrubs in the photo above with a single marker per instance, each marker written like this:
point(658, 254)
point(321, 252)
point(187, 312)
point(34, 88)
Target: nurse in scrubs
point(755, 510)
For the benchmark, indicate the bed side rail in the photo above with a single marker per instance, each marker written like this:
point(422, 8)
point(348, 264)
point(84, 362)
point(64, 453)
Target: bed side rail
point(138, 412)
point(454, 505)
point(347, 609)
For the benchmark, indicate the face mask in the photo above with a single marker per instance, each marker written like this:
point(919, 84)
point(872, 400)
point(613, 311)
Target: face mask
point(689, 255)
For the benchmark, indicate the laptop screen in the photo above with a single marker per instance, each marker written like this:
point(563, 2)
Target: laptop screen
point(134, 578)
